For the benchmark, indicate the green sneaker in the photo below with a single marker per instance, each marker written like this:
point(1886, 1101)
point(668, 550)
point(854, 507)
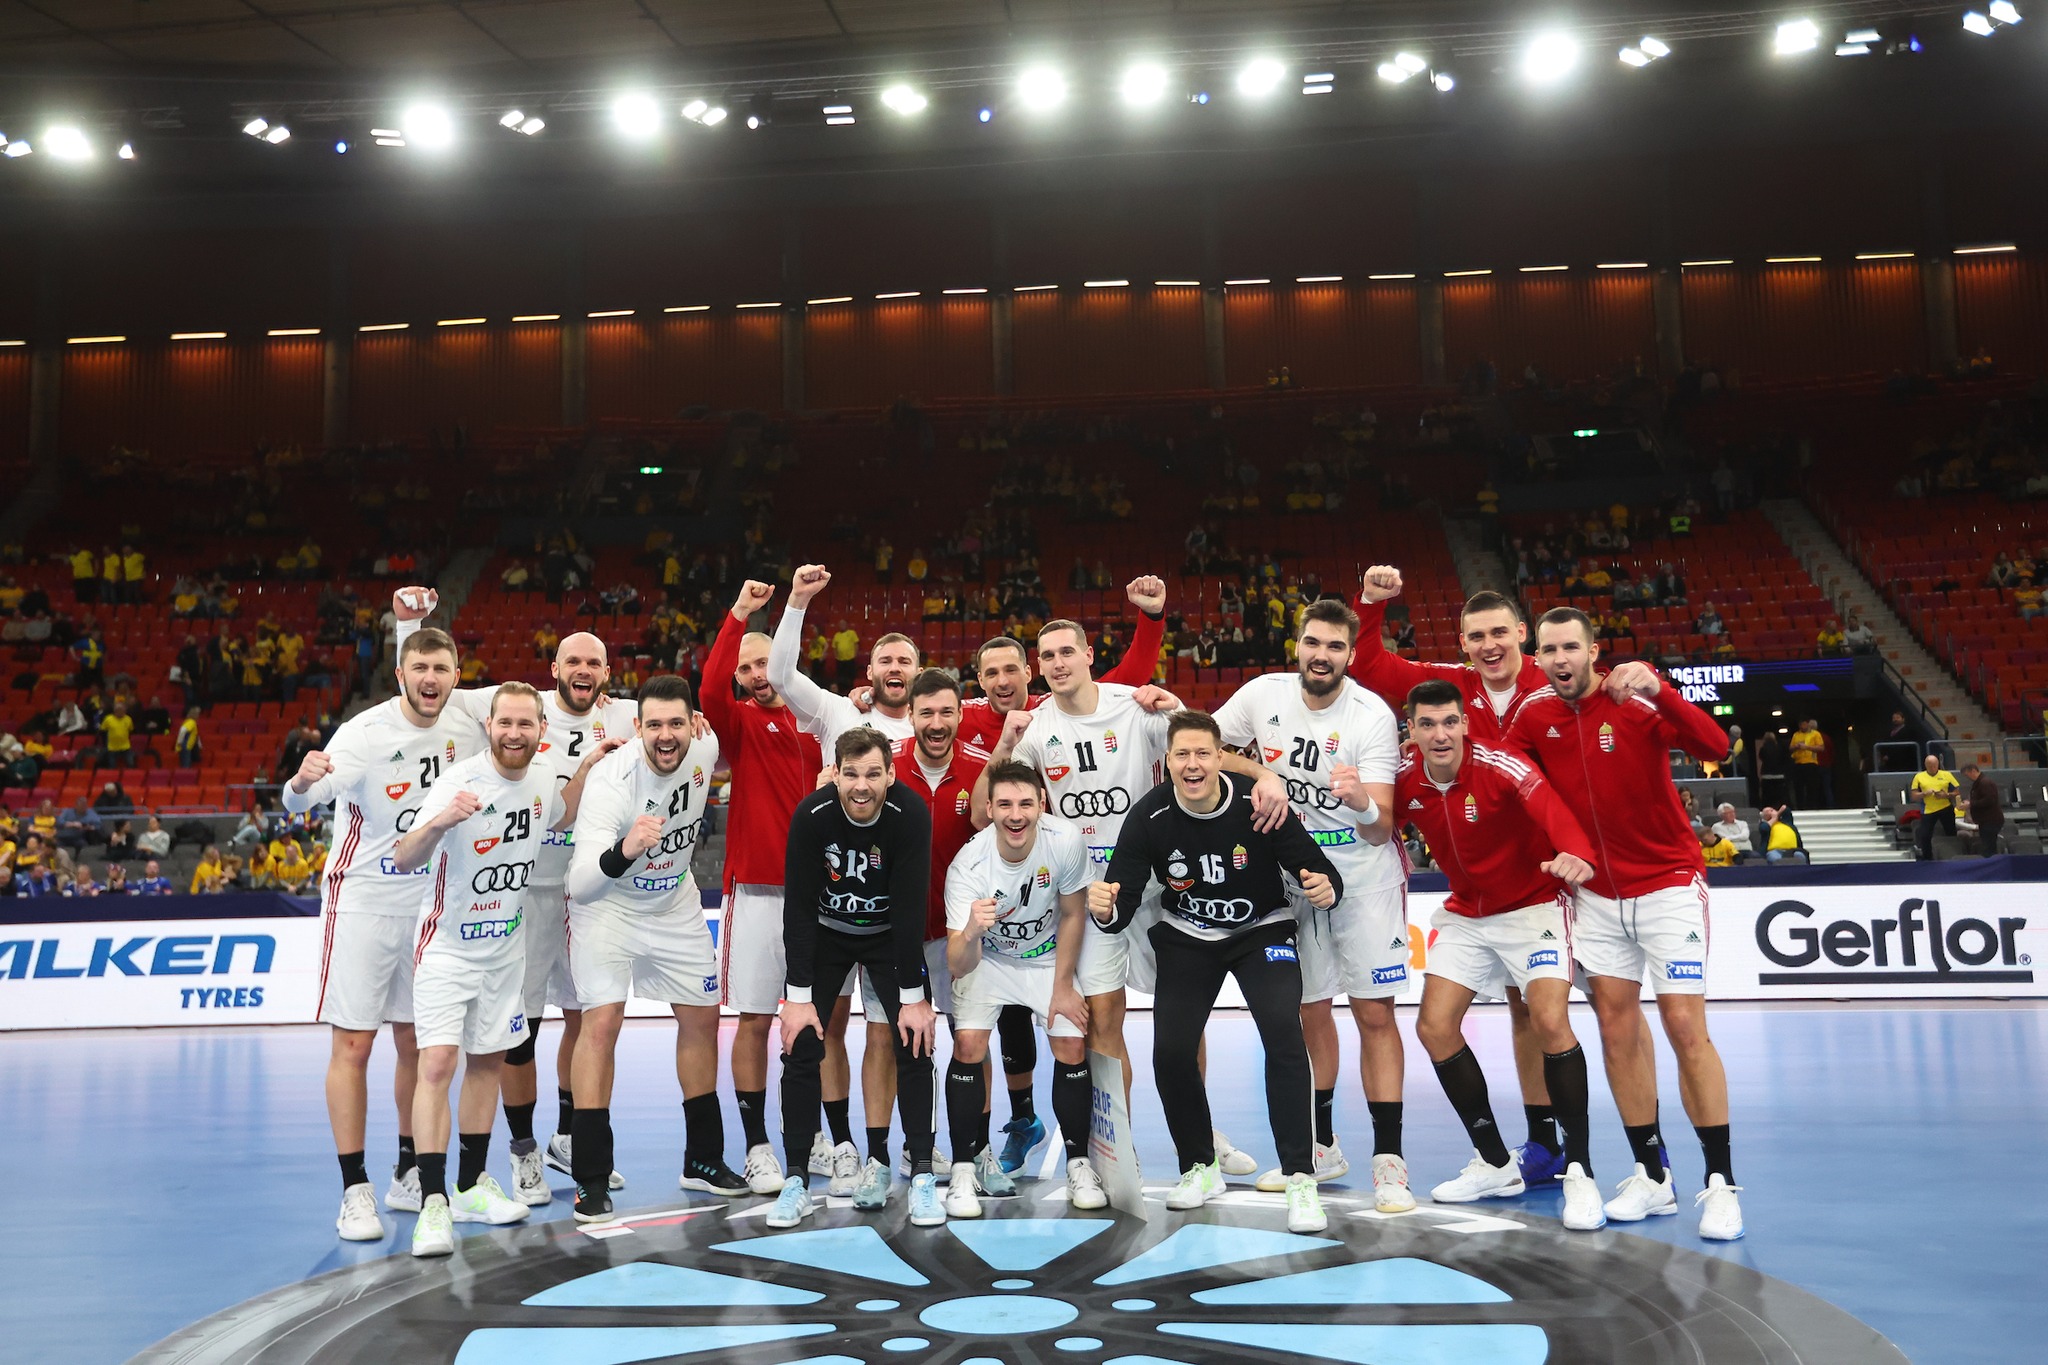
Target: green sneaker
point(434, 1233)
point(485, 1202)
point(1198, 1185)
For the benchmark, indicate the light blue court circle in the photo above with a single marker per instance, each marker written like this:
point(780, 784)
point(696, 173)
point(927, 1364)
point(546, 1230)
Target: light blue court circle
point(905, 1344)
point(1013, 1284)
point(991, 1315)
point(1079, 1343)
point(877, 1305)
point(1133, 1305)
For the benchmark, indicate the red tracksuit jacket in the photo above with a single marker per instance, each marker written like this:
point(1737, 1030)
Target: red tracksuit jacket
point(774, 765)
point(1391, 677)
point(1492, 831)
point(952, 816)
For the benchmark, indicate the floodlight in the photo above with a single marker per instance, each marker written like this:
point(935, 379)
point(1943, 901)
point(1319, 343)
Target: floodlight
point(904, 100)
point(1041, 87)
point(1260, 77)
point(636, 115)
point(1795, 36)
point(1143, 84)
point(428, 125)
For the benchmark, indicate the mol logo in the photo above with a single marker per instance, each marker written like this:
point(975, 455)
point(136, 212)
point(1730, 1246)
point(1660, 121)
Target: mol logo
point(1920, 946)
point(26, 959)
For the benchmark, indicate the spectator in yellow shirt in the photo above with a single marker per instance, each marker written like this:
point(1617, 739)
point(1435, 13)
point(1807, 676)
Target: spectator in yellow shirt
point(209, 877)
point(845, 651)
point(1782, 841)
point(294, 873)
point(1807, 744)
point(1718, 851)
point(85, 581)
point(1830, 639)
point(117, 748)
point(545, 638)
point(918, 568)
point(1934, 785)
point(134, 569)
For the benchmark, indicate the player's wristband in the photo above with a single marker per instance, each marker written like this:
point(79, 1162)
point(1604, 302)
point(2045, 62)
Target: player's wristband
point(796, 995)
point(613, 862)
point(1371, 814)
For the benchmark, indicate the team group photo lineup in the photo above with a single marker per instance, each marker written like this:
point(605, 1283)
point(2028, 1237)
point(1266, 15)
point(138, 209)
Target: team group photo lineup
point(990, 682)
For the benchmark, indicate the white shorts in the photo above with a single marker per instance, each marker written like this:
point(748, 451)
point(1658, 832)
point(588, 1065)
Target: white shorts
point(366, 970)
point(979, 996)
point(1110, 962)
point(1488, 953)
point(546, 933)
point(1358, 948)
point(665, 955)
point(1661, 937)
point(752, 963)
point(935, 970)
point(476, 1006)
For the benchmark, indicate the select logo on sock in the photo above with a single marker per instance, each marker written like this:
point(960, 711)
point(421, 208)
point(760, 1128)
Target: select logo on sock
point(1918, 946)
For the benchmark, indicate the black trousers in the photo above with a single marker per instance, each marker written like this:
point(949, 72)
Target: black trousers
point(1191, 973)
point(833, 960)
point(1940, 822)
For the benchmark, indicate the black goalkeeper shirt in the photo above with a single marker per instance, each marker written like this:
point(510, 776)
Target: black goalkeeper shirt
point(856, 879)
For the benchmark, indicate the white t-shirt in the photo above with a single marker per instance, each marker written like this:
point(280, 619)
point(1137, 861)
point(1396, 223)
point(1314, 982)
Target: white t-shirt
point(384, 767)
point(619, 790)
point(1302, 746)
point(476, 894)
point(824, 714)
point(1096, 765)
point(1027, 893)
point(569, 739)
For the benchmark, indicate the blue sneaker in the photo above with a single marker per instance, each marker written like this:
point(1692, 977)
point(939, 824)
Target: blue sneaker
point(926, 1209)
point(792, 1206)
point(1539, 1165)
point(1020, 1136)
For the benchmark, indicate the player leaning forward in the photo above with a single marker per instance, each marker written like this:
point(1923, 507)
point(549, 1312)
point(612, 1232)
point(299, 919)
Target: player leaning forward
point(478, 834)
point(376, 770)
point(1225, 913)
point(1604, 741)
point(636, 922)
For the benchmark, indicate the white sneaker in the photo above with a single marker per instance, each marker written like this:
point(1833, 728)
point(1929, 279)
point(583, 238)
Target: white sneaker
point(359, 1221)
point(485, 1202)
point(764, 1172)
point(1305, 1205)
point(1582, 1208)
point(1640, 1197)
point(1084, 1186)
point(433, 1234)
point(404, 1194)
point(557, 1155)
point(926, 1208)
point(792, 1206)
point(1390, 1192)
point(821, 1153)
point(530, 1179)
point(942, 1165)
point(1230, 1160)
point(845, 1171)
point(1720, 1210)
point(1198, 1185)
point(871, 1188)
point(1481, 1179)
point(1330, 1164)
point(961, 1200)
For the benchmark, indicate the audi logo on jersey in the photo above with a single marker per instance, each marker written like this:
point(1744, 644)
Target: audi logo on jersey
point(1235, 910)
point(504, 877)
point(675, 841)
point(850, 906)
point(1023, 931)
point(1110, 801)
point(1302, 793)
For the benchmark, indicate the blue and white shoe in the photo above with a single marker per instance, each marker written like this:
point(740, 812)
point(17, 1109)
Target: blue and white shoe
point(792, 1206)
point(1539, 1165)
point(873, 1190)
point(1020, 1137)
point(927, 1210)
point(989, 1175)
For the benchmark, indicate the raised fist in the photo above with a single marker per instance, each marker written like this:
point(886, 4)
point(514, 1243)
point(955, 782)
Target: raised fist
point(1147, 593)
point(1633, 678)
point(312, 768)
point(754, 595)
point(645, 834)
point(806, 583)
point(463, 805)
point(414, 604)
point(1014, 726)
point(1382, 581)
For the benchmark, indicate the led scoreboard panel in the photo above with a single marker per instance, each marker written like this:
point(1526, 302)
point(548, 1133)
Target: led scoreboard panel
point(1773, 682)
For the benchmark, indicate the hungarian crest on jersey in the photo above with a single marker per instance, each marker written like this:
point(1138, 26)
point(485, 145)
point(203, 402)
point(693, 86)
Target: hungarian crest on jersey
point(1330, 744)
point(1471, 809)
point(1606, 738)
point(1238, 857)
point(1109, 741)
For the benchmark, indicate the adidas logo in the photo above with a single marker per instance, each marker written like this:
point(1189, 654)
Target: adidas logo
point(1552, 733)
point(1398, 942)
point(1272, 720)
point(398, 757)
point(1692, 936)
point(1547, 935)
point(1414, 803)
point(650, 803)
point(491, 809)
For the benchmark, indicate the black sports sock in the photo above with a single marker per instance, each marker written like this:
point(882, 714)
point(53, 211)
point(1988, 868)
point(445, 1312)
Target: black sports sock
point(433, 1174)
point(1646, 1143)
point(754, 1115)
point(407, 1156)
point(590, 1150)
point(1023, 1104)
point(1564, 1076)
point(1714, 1142)
point(565, 1116)
point(1326, 1116)
point(519, 1118)
point(838, 1122)
point(352, 1169)
point(1464, 1082)
point(965, 1087)
point(704, 1129)
point(1386, 1126)
point(1073, 1104)
point(474, 1153)
point(878, 1145)
point(1542, 1121)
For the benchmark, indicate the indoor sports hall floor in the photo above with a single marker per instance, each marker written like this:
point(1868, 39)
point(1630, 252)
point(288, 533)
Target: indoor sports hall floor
point(1891, 1156)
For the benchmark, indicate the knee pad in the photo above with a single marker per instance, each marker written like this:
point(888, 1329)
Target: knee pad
point(1018, 1032)
point(523, 1054)
point(808, 1048)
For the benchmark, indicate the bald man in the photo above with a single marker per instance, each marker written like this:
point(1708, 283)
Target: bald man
point(775, 762)
point(581, 717)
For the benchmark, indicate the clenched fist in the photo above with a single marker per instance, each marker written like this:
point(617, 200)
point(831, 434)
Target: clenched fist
point(1147, 593)
point(414, 604)
point(981, 916)
point(645, 834)
point(312, 768)
point(1345, 786)
point(460, 807)
point(1382, 581)
point(1633, 678)
point(754, 595)
point(1317, 888)
point(806, 583)
point(1102, 900)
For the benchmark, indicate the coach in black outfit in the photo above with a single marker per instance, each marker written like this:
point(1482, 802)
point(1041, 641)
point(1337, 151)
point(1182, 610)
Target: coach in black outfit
point(1225, 913)
point(854, 892)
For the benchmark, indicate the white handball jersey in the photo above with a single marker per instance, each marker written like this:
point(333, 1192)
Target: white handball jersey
point(476, 893)
point(1096, 765)
point(619, 790)
point(568, 741)
point(1302, 746)
point(1027, 893)
point(384, 767)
